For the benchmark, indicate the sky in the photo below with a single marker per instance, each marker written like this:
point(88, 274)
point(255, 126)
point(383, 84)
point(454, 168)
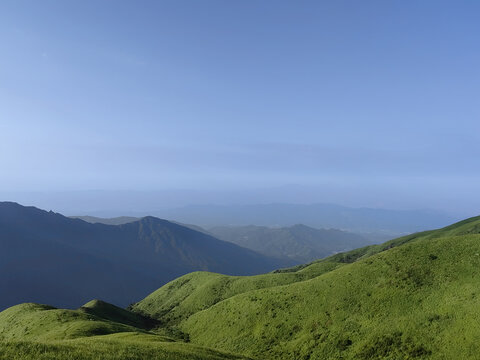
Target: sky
point(363, 103)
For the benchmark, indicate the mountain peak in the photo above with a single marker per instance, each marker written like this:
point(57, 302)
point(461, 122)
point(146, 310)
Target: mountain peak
point(116, 263)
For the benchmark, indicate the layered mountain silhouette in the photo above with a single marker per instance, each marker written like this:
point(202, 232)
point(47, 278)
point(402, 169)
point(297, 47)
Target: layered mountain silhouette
point(415, 297)
point(326, 216)
point(300, 243)
point(46, 257)
point(119, 220)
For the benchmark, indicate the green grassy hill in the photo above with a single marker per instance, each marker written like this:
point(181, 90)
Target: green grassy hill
point(191, 293)
point(33, 331)
point(182, 297)
point(413, 297)
point(42, 322)
point(113, 313)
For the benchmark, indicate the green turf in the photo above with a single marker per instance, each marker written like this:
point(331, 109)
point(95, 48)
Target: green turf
point(197, 291)
point(183, 297)
point(113, 313)
point(416, 297)
point(419, 300)
point(130, 346)
point(33, 331)
point(413, 297)
point(42, 322)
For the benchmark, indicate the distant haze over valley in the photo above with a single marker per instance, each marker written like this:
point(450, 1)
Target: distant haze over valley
point(298, 243)
point(46, 257)
point(272, 207)
point(459, 204)
point(239, 180)
point(49, 258)
point(314, 215)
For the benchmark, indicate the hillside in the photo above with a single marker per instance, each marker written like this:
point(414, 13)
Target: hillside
point(412, 297)
point(48, 258)
point(33, 331)
point(300, 243)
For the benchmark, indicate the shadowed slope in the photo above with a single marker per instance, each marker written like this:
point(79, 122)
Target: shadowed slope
point(49, 258)
point(111, 312)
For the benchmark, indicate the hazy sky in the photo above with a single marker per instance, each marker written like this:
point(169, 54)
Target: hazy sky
point(377, 96)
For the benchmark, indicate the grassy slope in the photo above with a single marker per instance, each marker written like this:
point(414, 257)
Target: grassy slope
point(41, 322)
point(33, 331)
point(418, 300)
point(111, 312)
point(183, 297)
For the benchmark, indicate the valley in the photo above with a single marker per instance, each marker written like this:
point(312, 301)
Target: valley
point(407, 298)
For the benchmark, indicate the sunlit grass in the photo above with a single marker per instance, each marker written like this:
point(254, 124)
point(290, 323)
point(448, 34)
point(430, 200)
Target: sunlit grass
point(416, 297)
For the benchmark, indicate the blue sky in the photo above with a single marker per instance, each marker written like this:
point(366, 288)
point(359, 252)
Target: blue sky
point(374, 97)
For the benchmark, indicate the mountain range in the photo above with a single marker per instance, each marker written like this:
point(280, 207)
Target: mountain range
point(299, 242)
point(415, 297)
point(46, 257)
point(321, 216)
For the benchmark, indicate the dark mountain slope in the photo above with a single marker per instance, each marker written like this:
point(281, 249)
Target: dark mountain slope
point(49, 258)
point(300, 243)
point(120, 220)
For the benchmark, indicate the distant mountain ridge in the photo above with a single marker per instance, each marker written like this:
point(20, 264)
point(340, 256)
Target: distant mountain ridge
point(326, 216)
point(119, 220)
point(299, 242)
point(415, 297)
point(46, 257)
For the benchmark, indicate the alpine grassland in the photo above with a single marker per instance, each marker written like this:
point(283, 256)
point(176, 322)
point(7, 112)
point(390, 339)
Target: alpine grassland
point(33, 331)
point(413, 297)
